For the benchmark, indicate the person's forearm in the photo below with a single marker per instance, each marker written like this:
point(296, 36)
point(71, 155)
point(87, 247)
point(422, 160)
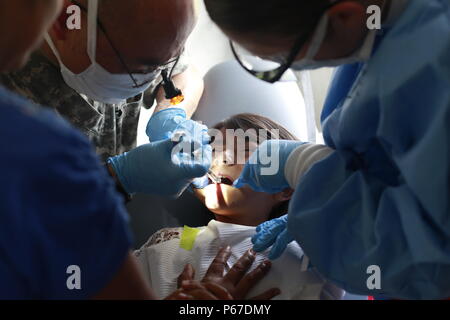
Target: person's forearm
point(127, 284)
point(191, 84)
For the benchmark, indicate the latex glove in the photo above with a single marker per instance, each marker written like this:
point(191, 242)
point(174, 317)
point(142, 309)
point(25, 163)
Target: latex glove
point(280, 164)
point(273, 232)
point(200, 183)
point(265, 170)
point(159, 167)
point(165, 123)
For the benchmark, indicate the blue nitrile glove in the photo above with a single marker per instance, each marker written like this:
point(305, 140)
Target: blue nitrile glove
point(264, 171)
point(163, 124)
point(273, 232)
point(200, 183)
point(162, 167)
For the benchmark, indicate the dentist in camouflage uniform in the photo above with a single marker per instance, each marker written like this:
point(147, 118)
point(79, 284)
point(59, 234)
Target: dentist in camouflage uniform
point(100, 76)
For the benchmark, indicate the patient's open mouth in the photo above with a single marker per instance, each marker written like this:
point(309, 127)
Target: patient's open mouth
point(223, 180)
point(226, 181)
point(219, 179)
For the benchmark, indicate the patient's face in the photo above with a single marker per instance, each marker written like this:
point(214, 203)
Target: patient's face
point(231, 205)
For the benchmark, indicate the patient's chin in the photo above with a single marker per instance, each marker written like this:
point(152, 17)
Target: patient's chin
point(218, 198)
point(213, 200)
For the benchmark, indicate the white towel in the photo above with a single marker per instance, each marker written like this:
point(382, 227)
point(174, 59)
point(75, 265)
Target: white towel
point(162, 263)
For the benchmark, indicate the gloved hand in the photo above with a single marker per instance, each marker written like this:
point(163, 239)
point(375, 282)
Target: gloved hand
point(265, 170)
point(200, 183)
point(165, 123)
point(162, 167)
point(273, 232)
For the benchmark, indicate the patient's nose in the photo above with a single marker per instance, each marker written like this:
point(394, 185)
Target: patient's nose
point(224, 157)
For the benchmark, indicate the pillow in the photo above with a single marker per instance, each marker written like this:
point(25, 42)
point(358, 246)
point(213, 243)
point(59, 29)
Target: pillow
point(230, 90)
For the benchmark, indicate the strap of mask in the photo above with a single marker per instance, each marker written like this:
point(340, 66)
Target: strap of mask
point(308, 95)
point(52, 46)
point(318, 38)
point(92, 29)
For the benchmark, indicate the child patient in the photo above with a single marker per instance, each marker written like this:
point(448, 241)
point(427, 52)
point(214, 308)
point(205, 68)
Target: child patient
point(235, 213)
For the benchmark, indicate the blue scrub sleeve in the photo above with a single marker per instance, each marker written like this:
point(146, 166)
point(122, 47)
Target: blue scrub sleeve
point(59, 209)
point(388, 208)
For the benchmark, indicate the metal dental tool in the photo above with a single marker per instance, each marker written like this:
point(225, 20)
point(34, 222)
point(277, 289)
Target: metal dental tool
point(214, 178)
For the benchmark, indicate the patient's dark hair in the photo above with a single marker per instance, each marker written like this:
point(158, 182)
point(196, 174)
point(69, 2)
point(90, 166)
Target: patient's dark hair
point(273, 17)
point(247, 121)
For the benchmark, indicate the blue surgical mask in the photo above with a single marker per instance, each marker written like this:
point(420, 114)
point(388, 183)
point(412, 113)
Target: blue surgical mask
point(96, 82)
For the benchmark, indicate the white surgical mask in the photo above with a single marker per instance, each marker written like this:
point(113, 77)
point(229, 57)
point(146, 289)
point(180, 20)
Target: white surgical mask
point(308, 62)
point(95, 82)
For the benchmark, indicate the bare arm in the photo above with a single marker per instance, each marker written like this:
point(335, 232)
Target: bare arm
point(127, 284)
point(191, 84)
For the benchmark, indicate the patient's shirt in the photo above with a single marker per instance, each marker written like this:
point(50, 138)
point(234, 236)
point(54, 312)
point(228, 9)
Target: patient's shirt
point(168, 251)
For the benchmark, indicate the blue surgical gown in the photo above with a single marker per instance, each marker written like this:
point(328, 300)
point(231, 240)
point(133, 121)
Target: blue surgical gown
point(58, 208)
point(383, 197)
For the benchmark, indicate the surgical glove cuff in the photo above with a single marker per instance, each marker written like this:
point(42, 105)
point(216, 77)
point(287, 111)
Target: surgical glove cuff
point(118, 165)
point(170, 113)
point(302, 159)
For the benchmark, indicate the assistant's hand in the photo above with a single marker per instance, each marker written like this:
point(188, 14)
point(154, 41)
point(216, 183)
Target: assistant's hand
point(273, 232)
point(200, 183)
point(165, 123)
point(163, 168)
point(236, 282)
point(265, 170)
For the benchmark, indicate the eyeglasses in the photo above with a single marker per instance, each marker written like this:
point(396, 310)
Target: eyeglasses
point(274, 69)
point(164, 66)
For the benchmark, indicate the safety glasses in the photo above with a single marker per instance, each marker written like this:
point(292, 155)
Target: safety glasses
point(169, 66)
point(273, 69)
